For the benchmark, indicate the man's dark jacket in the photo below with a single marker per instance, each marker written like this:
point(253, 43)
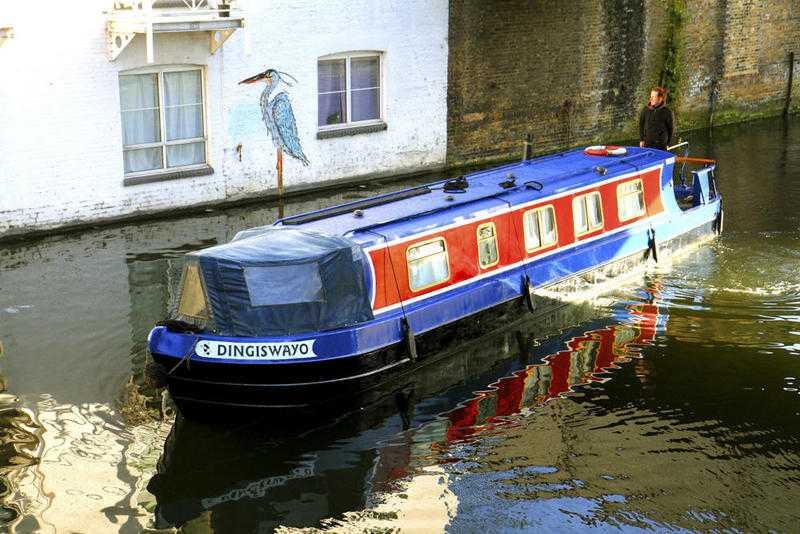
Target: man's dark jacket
point(655, 126)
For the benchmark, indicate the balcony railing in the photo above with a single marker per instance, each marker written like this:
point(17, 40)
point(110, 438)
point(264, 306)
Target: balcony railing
point(128, 17)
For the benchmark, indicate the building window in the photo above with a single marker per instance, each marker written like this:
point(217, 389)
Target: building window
point(540, 228)
point(428, 264)
point(587, 213)
point(162, 120)
point(630, 199)
point(348, 90)
point(487, 245)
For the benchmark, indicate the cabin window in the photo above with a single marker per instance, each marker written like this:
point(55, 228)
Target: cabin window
point(284, 284)
point(162, 121)
point(192, 301)
point(630, 198)
point(487, 245)
point(587, 213)
point(349, 89)
point(540, 228)
point(428, 264)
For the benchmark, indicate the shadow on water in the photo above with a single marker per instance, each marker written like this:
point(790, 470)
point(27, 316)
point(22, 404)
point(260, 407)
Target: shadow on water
point(257, 476)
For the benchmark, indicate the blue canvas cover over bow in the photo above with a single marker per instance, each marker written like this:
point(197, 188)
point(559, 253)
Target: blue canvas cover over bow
point(284, 281)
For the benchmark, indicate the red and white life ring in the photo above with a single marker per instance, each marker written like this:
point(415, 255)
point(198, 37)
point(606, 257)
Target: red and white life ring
point(605, 150)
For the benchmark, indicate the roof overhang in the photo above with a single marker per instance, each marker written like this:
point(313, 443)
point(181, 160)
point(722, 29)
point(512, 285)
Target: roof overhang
point(128, 19)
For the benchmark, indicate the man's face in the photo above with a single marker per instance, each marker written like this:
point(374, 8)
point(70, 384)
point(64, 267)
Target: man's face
point(655, 100)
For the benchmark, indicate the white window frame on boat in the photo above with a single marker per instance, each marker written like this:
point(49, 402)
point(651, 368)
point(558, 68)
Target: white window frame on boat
point(622, 195)
point(165, 171)
point(348, 126)
point(537, 212)
point(481, 240)
point(410, 260)
point(590, 227)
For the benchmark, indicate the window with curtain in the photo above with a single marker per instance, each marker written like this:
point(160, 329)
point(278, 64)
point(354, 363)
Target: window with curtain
point(587, 213)
point(162, 120)
point(348, 90)
point(487, 245)
point(428, 264)
point(540, 228)
point(630, 200)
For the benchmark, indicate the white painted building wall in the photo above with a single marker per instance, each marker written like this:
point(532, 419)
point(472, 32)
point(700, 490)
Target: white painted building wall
point(60, 128)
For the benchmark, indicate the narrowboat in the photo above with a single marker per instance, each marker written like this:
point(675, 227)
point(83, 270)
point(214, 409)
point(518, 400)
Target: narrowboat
point(318, 305)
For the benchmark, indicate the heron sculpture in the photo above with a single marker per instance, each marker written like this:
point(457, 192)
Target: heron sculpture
point(278, 117)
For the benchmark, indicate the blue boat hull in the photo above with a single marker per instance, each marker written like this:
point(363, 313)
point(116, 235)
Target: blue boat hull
point(363, 357)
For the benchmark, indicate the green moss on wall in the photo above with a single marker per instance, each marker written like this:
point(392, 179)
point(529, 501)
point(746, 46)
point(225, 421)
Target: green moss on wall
point(672, 71)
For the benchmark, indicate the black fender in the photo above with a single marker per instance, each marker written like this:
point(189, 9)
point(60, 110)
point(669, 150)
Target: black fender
point(410, 340)
point(652, 245)
point(527, 293)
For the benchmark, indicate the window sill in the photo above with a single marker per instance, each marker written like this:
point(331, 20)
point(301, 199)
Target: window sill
point(167, 175)
point(351, 130)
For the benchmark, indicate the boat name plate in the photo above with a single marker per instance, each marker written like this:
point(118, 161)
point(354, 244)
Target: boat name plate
point(233, 350)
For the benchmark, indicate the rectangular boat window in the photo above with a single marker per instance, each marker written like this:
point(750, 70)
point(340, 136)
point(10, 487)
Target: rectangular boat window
point(428, 264)
point(284, 284)
point(587, 213)
point(540, 228)
point(630, 198)
point(487, 245)
point(192, 302)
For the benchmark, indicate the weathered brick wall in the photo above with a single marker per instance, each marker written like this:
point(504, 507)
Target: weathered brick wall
point(579, 72)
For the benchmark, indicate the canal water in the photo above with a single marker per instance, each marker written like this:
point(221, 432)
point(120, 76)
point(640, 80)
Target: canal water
point(672, 403)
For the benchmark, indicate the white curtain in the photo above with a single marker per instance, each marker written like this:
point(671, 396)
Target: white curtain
point(183, 117)
point(428, 271)
point(140, 117)
point(532, 230)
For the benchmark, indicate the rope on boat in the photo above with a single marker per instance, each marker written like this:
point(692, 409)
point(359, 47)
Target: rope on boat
point(527, 285)
point(186, 357)
point(408, 333)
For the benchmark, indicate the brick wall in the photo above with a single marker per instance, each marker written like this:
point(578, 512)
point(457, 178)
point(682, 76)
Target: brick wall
point(579, 72)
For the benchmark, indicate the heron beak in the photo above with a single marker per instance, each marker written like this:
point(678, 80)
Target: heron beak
point(253, 79)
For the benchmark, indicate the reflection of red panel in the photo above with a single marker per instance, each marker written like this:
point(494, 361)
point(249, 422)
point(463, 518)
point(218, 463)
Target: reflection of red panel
point(605, 353)
point(462, 419)
point(647, 319)
point(509, 393)
point(559, 383)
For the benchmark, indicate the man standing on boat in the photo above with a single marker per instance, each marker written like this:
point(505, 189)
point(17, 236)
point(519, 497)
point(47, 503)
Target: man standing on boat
point(656, 122)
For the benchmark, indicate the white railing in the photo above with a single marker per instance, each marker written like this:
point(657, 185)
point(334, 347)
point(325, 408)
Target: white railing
point(172, 8)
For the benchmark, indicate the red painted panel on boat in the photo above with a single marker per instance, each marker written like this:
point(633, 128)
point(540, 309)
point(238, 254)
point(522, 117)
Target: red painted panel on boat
point(462, 247)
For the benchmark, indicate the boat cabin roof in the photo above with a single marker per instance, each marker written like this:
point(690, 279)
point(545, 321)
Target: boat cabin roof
point(423, 208)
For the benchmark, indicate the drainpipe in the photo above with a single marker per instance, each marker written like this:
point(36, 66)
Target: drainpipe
point(789, 88)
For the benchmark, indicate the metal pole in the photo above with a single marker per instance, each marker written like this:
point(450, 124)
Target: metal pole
point(789, 88)
point(280, 172)
point(527, 148)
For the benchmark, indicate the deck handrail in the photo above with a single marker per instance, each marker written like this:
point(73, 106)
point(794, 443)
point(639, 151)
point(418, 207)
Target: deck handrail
point(683, 159)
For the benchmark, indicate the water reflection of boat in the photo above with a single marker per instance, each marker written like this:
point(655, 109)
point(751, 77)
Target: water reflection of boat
point(252, 478)
point(320, 304)
point(585, 359)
